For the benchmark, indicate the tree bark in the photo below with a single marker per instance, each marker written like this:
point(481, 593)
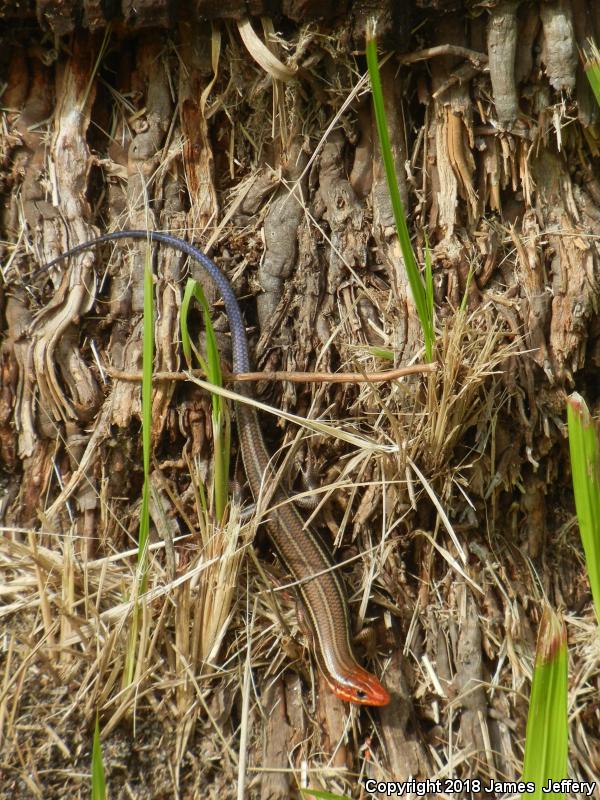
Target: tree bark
point(171, 116)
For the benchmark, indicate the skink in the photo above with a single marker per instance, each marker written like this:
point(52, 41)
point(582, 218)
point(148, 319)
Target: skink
point(300, 549)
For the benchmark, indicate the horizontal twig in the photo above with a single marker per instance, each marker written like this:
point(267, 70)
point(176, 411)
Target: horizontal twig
point(294, 377)
point(479, 60)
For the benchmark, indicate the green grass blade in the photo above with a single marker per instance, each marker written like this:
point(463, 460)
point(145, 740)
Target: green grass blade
point(583, 444)
point(428, 282)
point(547, 736)
point(186, 342)
point(415, 280)
point(211, 366)
point(384, 353)
point(220, 416)
point(141, 584)
point(320, 795)
point(147, 368)
point(193, 290)
point(98, 781)
point(214, 373)
point(591, 67)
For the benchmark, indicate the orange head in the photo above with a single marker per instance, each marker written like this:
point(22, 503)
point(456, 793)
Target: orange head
point(360, 687)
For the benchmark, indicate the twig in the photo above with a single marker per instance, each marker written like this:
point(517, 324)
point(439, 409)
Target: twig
point(478, 60)
point(294, 377)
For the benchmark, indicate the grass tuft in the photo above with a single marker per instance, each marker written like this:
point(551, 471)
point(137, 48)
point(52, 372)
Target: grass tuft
point(212, 367)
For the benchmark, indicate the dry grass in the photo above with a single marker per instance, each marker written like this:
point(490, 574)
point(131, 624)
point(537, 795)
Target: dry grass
point(416, 517)
point(199, 635)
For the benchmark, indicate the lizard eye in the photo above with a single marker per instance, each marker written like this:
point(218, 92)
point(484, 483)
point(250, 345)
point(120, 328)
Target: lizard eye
point(361, 694)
